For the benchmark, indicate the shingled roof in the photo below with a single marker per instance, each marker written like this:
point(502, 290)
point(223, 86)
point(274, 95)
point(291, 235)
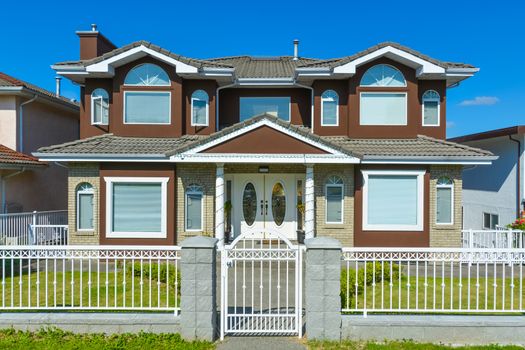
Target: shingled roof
point(12, 159)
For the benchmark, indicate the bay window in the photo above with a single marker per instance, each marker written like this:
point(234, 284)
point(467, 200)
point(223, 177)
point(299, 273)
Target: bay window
point(276, 106)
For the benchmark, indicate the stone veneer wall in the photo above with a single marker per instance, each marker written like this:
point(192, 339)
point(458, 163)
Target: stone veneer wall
point(342, 232)
point(79, 173)
point(446, 235)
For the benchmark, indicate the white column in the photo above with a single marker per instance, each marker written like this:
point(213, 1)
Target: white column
point(219, 203)
point(309, 199)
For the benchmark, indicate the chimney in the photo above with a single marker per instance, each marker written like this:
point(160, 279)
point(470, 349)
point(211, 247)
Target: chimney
point(93, 43)
point(57, 87)
point(295, 49)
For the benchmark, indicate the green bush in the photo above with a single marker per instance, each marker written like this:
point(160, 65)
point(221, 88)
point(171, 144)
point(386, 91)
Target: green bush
point(348, 279)
point(159, 272)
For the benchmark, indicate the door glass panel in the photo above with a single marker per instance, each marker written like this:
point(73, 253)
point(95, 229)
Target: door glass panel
point(278, 203)
point(249, 203)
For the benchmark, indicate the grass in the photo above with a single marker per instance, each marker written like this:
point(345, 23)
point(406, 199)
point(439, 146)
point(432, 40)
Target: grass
point(398, 345)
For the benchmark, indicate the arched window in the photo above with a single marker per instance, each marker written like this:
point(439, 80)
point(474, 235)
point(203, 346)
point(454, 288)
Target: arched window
point(383, 75)
point(99, 107)
point(430, 108)
point(334, 190)
point(199, 108)
point(444, 201)
point(329, 108)
point(194, 207)
point(147, 74)
point(85, 209)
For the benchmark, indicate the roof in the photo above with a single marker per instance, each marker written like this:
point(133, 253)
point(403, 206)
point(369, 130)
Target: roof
point(10, 81)
point(513, 130)
point(11, 158)
point(263, 67)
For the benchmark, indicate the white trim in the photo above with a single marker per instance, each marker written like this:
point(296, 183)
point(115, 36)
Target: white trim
point(383, 93)
point(423, 108)
point(201, 193)
point(207, 108)
point(110, 180)
point(420, 200)
point(268, 97)
point(451, 187)
point(149, 92)
point(336, 110)
point(263, 158)
point(482, 161)
point(85, 192)
point(342, 187)
point(93, 107)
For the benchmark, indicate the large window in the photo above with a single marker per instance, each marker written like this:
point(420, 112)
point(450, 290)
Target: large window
point(383, 75)
point(329, 108)
point(85, 209)
point(334, 189)
point(393, 200)
point(276, 106)
point(136, 207)
point(147, 107)
point(383, 108)
point(444, 201)
point(99, 107)
point(194, 205)
point(199, 108)
point(147, 74)
point(430, 108)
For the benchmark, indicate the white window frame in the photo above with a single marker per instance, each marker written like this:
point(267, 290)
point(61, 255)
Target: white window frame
point(336, 110)
point(383, 93)
point(287, 97)
point(491, 221)
point(342, 187)
point(110, 181)
point(148, 92)
point(93, 99)
point(207, 108)
point(186, 192)
point(91, 192)
point(420, 200)
point(431, 99)
point(451, 186)
point(383, 86)
point(143, 64)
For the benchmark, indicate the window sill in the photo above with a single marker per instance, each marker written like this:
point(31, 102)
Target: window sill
point(85, 232)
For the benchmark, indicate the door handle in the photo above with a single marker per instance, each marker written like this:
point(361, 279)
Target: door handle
point(262, 207)
point(266, 207)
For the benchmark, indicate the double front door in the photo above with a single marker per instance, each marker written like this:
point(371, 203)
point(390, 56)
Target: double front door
point(266, 201)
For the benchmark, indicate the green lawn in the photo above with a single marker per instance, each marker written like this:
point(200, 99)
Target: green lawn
point(402, 345)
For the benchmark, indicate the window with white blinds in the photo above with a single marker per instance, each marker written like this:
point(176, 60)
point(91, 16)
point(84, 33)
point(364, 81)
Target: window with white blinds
point(147, 107)
point(383, 108)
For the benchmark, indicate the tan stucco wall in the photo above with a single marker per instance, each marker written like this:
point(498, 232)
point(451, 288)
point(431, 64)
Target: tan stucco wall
point(8, 133)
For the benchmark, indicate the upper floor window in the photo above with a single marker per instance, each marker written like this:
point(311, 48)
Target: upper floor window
point(199, 108)
point(147, 107)
point(276, 106)
point(147, 74)
point(430, 108)
point(99, 107)
point(329, 108)
point(383, 75)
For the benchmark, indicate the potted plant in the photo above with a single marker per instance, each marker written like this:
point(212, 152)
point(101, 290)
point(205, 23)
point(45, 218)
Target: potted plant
point(300, 222)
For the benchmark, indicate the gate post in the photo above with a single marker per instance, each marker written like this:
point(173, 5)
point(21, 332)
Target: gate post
point(322, 288)
point(198, 317)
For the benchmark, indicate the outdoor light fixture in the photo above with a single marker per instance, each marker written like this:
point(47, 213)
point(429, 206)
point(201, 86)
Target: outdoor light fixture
point(264, 169)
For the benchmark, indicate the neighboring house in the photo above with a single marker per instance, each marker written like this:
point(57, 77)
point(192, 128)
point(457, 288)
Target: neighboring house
point(495, 195)
point(353, 148)
point(31, 117)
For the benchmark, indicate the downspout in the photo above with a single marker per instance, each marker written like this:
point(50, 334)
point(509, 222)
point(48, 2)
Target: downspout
point(3, 181)
point(311, 100)
point(518, 177)
point(217, 103)
point(21, 124)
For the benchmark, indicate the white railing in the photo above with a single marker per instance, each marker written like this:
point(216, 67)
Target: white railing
point(48, 234)
point(428, 280)
point(499, 238)
point(15, 229)
point(90, 278)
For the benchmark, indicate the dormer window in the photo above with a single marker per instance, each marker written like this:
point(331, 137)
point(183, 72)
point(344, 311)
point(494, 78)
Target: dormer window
point(329, 108)
point(199, 108)
point(381, 101)
point(430, 108)
point(99, 107)
point(147, 74)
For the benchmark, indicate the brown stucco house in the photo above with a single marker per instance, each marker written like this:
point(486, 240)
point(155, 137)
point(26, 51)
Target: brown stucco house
point(353, 147)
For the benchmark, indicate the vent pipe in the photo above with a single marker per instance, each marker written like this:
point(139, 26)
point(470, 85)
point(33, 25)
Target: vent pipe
point(57, 86)
point(296, 50)
point(93, 27)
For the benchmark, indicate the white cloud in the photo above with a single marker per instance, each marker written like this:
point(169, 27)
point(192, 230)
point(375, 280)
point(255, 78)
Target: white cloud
point(480, 101)
point(450, 124)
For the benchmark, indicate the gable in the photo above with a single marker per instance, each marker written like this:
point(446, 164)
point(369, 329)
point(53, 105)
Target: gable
point(265, 139)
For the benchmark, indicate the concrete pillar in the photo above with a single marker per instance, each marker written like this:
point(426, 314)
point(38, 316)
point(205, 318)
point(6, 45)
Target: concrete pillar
point(322, 287)
point(198, 289)
point(219, 203)
point(309, 203)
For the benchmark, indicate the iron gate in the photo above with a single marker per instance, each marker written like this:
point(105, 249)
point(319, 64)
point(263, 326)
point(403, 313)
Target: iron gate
point(261, 285)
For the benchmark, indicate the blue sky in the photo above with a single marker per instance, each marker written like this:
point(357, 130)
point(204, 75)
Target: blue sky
point(489, 35)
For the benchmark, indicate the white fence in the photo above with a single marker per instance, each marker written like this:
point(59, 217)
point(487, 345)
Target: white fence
point(500, 238)
point(34, 228)
point(431, 280)
point(90, 278)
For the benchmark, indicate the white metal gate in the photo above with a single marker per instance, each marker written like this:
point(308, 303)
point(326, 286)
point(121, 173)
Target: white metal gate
point(261, 285)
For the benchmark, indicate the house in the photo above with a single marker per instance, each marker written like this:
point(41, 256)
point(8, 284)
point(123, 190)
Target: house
point(353, 147)
point(32, 117)
point(495, 195)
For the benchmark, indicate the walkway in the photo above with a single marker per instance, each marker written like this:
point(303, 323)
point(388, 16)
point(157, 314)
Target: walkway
point(261, 343)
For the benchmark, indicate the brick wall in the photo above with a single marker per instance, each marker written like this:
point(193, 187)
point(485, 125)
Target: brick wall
point(80, 173)
point(446, 235)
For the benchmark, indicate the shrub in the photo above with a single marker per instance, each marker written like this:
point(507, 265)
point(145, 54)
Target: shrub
point(159, 272)
point(519, 224)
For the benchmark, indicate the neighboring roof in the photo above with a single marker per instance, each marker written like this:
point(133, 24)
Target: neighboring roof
point(513, 130)
point(10, 81)
point(11, 158)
